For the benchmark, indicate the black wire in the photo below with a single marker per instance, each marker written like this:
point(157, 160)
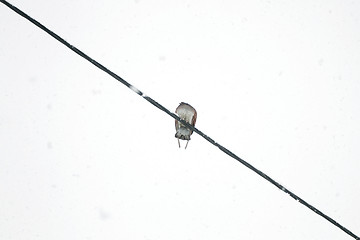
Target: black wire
point(158, 105)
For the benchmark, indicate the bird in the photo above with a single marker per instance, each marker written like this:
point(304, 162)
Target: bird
point(187, 113)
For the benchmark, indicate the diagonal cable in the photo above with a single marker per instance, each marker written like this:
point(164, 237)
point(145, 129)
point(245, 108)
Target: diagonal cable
point(158, 105)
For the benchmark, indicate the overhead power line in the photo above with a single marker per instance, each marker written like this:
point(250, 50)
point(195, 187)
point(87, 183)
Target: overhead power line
point(159, 106)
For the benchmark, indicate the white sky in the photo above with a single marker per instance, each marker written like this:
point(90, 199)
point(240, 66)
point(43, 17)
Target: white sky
point(83, 157)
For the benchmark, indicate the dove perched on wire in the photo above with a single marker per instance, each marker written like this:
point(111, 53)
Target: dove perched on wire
point(187, 113)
